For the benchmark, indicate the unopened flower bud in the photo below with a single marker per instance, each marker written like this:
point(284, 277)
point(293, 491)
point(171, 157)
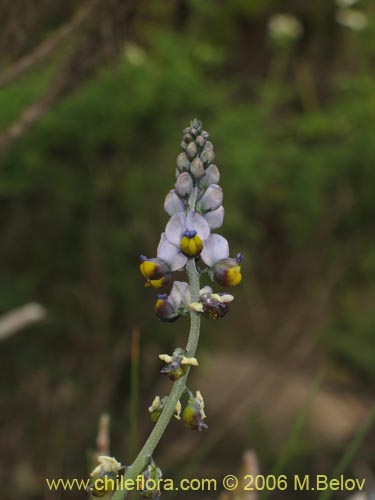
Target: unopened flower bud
point(193, 414)
point(200, 141)
point(211, 176)
point(211, 199)
point(173, 204)
point(191, 150)
point(188, 138)
point(197, 168)
point(207, 155)
point(196, 124)
point(184, 185)
point(182, 162)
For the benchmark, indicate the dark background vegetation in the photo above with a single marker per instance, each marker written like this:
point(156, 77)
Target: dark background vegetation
point(93, 99)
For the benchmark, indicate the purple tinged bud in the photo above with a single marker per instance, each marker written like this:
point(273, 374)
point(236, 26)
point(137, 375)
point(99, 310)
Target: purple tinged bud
point(173, 204)
point(211, 199)
point(188, 138)
point(191, 150)
point(197, 168)
point(184, 185)
point(182, 162)
point(211, 176)
point(200, 141)
point(207, 155)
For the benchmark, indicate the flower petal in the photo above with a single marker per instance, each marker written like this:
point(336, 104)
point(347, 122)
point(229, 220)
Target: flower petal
point(173, 203)
point(215, 218)
point(180, 295)
point(170, 254)
point(196, 222)
point(175, 227)
point(211, 176)
point(215, 248)
point(211, 199)
point(184, 184)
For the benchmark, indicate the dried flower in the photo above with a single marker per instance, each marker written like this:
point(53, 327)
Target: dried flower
point(158, 405)
point(176, 365)
point(193, 414)
point(212, 305)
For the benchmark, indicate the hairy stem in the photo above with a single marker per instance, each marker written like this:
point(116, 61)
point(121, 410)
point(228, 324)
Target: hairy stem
point(177, 389)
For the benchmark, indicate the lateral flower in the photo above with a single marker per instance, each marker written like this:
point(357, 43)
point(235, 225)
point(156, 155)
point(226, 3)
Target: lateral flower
point(211, 200)
point(212, 305)
point(109, 468)
point(176, 365)
point(193, 414)
point(225, 270)
point(173, 203)
point(156, 271)
point(170, 307)
point(152, 475)
point(188, 233)
point(158, 405)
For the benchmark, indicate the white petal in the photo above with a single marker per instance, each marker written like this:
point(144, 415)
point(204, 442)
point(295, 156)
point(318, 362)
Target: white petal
point(175, 227)
point(206, 290)
point(196, 222)
point(215, 218)
point(184, 184)
point(166, 358)
point(173, 203)
point(180, 294)
point(171, 254)
point(211, 176)
point(212, 198)
point(215, 248)
point(226, 297)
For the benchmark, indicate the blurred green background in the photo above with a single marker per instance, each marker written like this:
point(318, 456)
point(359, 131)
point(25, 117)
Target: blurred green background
point(90, 128)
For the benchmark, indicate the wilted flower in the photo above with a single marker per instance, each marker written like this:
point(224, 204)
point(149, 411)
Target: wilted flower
point(158, 405)
point(176, 365)
point(284, 27)
point(108, 468)
point(170, 307)
point(151, 475)
point(193, 414)
point(212, 305)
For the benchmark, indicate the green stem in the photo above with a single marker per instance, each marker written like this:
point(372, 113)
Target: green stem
point(177, 389)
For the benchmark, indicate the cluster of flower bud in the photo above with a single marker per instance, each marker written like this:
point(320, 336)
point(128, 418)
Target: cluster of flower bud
point(195, 207)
